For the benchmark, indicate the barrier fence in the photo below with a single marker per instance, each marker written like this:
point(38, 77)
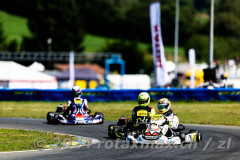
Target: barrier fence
point(173, 94)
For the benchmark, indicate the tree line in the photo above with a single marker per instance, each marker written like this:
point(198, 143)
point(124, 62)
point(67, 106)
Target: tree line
point(67, 21)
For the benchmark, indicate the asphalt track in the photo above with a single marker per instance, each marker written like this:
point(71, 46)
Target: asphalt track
point(218, 143)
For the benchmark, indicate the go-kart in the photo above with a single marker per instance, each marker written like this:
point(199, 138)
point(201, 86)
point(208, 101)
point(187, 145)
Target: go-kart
point(61, 117)
point(150, 132)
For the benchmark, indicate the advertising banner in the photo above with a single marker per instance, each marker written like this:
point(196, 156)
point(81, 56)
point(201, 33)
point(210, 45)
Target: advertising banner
point(157, 45)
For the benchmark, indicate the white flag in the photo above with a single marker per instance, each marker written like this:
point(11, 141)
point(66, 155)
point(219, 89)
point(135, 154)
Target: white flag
point(157, 45)
point(71, 70)
point(192, 59)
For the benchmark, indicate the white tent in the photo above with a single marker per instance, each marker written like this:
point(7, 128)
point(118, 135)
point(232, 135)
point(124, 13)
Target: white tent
point(14, 75)
point(129, 81)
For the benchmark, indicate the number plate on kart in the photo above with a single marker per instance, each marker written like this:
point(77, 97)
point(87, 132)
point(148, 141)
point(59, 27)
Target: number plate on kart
point(142, 113)
point(78, 101)
point(156, 117)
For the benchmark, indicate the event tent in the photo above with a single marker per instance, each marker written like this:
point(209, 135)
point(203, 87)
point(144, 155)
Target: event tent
point(14, 75)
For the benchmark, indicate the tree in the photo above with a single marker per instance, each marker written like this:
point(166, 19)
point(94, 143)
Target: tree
point(134, 59)
point(56, 19)
point(227, 33)
point(200, 44)
point(2, 39)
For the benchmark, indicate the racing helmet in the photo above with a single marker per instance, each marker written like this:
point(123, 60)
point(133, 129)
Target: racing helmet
point(76, 91)
point(143, 99)
point(164, 105)
point(224, 76)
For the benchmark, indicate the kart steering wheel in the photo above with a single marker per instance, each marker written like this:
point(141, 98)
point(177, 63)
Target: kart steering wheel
point(88, 111)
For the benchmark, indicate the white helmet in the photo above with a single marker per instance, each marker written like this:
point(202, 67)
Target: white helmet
point(76, 91)
point(164, 105)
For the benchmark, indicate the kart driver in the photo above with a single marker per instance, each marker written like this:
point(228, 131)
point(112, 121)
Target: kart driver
point(164, 108)
point(72, 108)
point(143, 101)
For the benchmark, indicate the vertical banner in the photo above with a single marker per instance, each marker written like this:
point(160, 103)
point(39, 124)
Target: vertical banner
point(192, 59)
point(157, 45)
point(71, 81)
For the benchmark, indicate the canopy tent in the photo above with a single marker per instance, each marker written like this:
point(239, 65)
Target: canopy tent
point(14, 75)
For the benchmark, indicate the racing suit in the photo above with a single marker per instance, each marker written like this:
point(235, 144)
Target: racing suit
point(141, 128)
point(72, 108)
point(150, 110)
point(171, 122)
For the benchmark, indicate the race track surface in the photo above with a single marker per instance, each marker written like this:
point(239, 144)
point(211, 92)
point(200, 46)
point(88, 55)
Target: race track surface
point(218, 143)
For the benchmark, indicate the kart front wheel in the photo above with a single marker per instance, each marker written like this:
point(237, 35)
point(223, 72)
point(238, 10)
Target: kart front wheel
point(182, 136)
point(56, 121)
point(112, 131)
point(101, 114)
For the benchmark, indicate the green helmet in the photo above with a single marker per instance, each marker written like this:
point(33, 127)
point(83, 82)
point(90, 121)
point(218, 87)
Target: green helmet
point(143, 99)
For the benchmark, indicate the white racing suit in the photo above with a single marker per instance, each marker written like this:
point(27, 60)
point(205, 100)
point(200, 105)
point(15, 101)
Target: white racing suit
point(72, 108)
point(170, 123)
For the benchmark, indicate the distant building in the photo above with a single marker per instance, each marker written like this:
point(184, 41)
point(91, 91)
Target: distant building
point(86, 75)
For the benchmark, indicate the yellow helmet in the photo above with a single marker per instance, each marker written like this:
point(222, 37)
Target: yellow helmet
point(143, 99)
point(164, 105)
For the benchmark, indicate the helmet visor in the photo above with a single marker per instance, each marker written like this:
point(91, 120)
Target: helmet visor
point(142, 101)
point(163, 106)
point(76, 94)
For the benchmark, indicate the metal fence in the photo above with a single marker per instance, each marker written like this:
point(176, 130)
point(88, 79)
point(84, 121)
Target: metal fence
point(54, 56)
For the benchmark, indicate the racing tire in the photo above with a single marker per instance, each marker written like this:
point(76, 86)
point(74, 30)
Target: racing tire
point(59, 109)
point(128, 133)
point(89, 111)
point(99, 113)
point(112, 131)
point(56, 121)
point(50, 118)
point(182, 136)
point(198, 134)
point(137, 133)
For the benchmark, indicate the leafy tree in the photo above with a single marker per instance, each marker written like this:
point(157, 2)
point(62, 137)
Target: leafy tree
point(227, 25)
point(202, 5)
point(200, 44)
point(16, 7)
point(13, 46)
point(99, 17)
point(227, 33)
point(2, 38)
point(56, 19)
point(134, 59)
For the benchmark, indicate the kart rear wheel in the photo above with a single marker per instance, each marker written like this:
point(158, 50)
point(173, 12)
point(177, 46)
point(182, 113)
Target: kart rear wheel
point(198, 134)
point(50, 117)
point(101, 114)
point(112, 131)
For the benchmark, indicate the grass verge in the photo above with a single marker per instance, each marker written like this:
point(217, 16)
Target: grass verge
point(20, 140)
point(214, 113)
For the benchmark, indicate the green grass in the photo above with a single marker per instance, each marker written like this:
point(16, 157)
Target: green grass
point(14, 27)
point(19, 140)
point(214, 113)
point(94, 43)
